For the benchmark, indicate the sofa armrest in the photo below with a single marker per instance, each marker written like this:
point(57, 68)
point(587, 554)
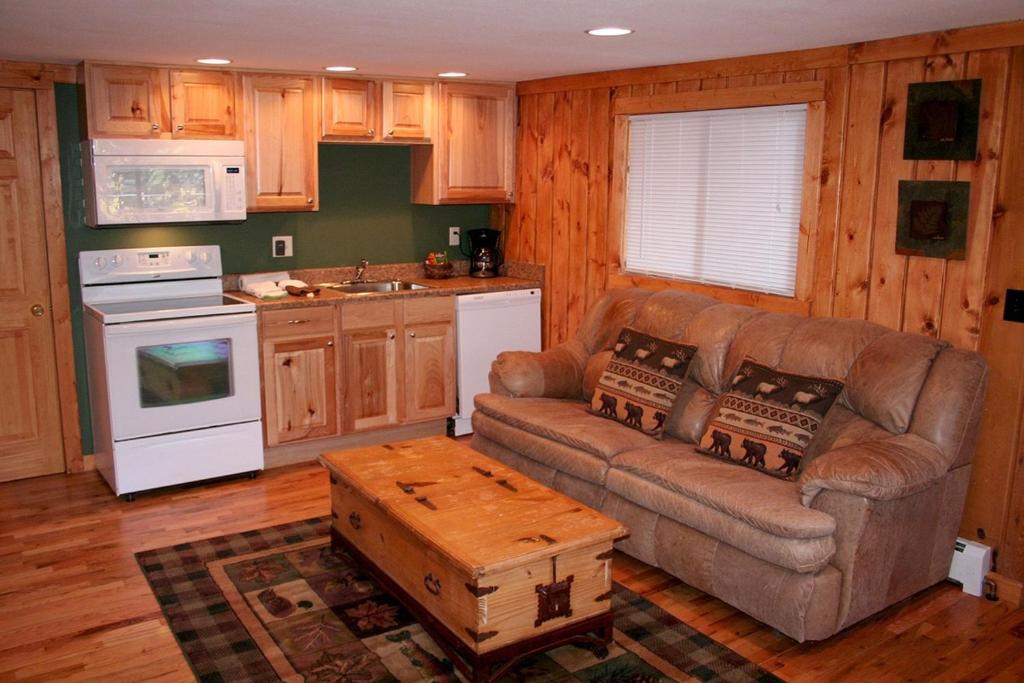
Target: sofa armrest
point(555, 373)
point(886, 469)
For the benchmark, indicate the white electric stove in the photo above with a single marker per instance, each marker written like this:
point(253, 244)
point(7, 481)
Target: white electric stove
point(173, 368)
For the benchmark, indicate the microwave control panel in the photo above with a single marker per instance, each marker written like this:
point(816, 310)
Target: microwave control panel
point(234, 188)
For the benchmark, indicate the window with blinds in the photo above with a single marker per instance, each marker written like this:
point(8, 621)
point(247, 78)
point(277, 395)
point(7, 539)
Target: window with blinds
point(714, 196)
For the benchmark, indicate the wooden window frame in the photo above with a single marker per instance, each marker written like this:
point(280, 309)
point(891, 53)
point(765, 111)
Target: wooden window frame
point(811, 93)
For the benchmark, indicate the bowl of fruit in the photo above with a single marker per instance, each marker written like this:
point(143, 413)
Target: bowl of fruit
point(437, 266)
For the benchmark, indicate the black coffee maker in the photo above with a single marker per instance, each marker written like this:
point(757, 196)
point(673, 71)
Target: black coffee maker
point(484, 255)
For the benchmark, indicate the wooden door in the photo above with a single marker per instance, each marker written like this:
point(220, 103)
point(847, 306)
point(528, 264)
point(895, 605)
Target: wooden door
point(371, 386)
point(350, 110)
point(300, 389)
point(30, 421)
point(407, 109)
point(429, 371)
point(203, 104)
point(476, 150)
point(126, 101)
point(280, 142)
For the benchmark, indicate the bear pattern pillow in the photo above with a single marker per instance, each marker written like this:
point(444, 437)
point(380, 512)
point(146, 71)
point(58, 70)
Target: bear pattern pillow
point(639, 385)
point(768, 418)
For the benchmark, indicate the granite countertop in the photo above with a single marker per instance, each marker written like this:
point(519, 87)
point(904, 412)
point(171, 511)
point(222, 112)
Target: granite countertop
point(449, 287)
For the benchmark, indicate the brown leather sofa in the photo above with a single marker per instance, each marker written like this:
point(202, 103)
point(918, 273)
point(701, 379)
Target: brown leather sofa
point(871, 519)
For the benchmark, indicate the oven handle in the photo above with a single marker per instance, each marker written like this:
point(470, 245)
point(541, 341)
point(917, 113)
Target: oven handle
point(209, 322)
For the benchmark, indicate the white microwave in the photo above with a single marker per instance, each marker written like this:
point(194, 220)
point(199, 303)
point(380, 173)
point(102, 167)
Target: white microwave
point(128, 182)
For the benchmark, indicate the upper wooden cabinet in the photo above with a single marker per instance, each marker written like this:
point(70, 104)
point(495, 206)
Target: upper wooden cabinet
point(149, 102)
point(126, 101)
point(350, 110)
point(407, 110)
point(204, 104)
point(360, 110)
point(471, 160)
point(281, 120)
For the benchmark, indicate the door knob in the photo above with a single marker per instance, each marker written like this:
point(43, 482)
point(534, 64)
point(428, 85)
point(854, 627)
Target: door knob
point(38, 310)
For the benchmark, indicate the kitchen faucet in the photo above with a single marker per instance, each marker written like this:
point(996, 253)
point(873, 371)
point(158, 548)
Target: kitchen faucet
point(361, 270)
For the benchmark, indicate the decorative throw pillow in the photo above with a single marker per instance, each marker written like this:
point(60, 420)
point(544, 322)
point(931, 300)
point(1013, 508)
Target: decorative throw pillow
point(768, 418)
point(639, 385)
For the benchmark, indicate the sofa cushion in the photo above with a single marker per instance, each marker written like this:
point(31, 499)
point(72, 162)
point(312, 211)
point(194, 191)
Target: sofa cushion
point(539, 458)
point(770, 416)
point(564, 421)
point(759, 515)
point(639, 385)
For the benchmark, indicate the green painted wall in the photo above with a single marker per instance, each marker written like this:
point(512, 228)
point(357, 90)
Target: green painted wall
point(364, 212)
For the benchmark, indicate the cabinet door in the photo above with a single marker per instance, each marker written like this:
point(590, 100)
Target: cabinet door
point(407, 110)
point(371, 384)
point(350, 110)
point(126, 101)
point(429, 371)
point(476, 149)
point(299, 389)
point(280, 142)
point(203, 104)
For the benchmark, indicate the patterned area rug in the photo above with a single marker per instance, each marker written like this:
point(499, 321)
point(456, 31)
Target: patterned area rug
point(278, 604)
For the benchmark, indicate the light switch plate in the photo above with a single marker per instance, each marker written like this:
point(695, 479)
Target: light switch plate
point(281, 246)
point(454, 236)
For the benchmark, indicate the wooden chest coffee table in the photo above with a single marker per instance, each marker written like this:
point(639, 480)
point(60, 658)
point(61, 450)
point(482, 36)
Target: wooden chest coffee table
point(494, 565)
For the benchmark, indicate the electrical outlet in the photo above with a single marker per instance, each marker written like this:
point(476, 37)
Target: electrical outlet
point(454, 236)
point(281, 246)
point(1013, 309)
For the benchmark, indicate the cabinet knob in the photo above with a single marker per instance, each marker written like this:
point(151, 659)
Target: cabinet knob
point(309, 200)
point(180, 126)
point(432, 584)
point(156, 126)
point(38, 310)
point(391, 132)
point(330, 343)
point(412, 334)
point(369, 132)
point(391, 336)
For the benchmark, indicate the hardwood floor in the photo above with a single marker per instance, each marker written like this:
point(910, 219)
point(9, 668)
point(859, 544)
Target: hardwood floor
point(75, 606)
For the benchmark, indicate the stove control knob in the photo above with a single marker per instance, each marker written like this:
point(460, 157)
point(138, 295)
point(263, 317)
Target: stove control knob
point(100, 262)
point(204, 256)
point(117, 260)
point(190, 256)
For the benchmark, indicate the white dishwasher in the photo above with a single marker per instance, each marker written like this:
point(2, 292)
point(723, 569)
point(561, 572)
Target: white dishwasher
point(486, 325)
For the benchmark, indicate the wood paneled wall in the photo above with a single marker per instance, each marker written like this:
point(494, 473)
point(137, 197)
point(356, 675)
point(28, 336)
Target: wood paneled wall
point(560, 218)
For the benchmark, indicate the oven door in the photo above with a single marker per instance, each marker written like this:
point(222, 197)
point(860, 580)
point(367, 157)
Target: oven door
point(168, 376)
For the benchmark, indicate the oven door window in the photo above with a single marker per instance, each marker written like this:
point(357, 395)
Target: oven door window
point(186, 372)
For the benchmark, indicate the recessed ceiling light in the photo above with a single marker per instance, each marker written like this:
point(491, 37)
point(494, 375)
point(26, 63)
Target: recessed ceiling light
point(339, 68)
point(214, 60)
point(610, 31)
point(451, 74)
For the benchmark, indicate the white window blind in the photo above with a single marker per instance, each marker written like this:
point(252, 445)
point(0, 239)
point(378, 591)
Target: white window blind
point(714, 196)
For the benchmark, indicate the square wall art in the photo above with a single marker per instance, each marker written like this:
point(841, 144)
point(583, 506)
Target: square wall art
point(942, 120)
point(932, 219)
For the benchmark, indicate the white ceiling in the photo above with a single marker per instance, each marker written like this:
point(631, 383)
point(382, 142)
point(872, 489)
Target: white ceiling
point(490, 39)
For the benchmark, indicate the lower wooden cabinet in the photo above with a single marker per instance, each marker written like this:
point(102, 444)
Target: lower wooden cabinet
point(371, 378)
point(336, 369)
point(400, 361)
point(429, 371)
point(300, 374)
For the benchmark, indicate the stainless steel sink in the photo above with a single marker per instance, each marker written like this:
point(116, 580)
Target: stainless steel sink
point(371, 287)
